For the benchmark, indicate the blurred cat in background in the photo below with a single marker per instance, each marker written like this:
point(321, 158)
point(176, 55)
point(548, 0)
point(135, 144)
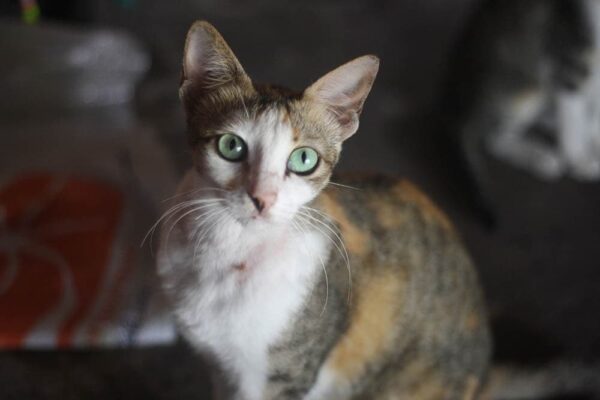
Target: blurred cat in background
point(525, 84)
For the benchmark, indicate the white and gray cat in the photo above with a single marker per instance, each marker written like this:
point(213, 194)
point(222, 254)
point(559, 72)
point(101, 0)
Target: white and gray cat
point(526, 85)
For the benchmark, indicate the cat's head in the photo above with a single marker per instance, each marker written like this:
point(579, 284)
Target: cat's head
point(268, 149)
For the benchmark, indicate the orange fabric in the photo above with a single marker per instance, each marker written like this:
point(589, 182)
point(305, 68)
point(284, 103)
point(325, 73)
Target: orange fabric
point(48, 218)
point(30, 296)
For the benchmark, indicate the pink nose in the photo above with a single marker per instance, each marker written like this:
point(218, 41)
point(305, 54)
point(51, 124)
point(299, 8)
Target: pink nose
point(263, 201)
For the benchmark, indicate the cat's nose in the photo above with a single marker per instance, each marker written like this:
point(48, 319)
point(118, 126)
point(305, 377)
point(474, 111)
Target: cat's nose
point(263, 201)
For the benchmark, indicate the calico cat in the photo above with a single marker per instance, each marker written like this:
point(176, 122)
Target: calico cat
point(524, 83)
point(297, 287)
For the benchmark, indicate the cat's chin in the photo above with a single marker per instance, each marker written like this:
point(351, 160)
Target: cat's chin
point(262, 222)
point(257, 221)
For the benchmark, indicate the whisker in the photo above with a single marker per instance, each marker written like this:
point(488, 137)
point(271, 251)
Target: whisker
point(298, 227)
point(320, 213)
point(208, 214)
point(301, 231)
point(241, 97)
point(186, 214)
point(331, 226)
point(341, 247)
point(338, 237)
point(166, 216)
point(204, 189)
point(343, 186)
point(170, 212)
point(218, 216)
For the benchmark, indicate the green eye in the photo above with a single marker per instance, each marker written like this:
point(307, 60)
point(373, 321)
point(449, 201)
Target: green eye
point(231, 147)
point(303, 161)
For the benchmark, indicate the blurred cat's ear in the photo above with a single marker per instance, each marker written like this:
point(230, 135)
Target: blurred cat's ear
point(344, 90)
point(208, 62)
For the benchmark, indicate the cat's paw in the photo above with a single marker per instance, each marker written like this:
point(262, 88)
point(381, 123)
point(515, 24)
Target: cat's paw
point(586, 170)
point(538, 159)
point(547, 166)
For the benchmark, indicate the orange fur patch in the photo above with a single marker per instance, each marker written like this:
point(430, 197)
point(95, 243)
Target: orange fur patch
point(285, 116)
point(387, 214)
point(372, 326)
point(409, 193)
point(423, 381)
point(472, 322)
point(430, 390)
point(471, 388)
point(357, 242)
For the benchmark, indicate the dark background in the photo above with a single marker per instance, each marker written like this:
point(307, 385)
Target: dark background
point(540, 266)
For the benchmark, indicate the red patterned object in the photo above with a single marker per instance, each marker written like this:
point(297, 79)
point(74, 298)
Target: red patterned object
point(59, 258)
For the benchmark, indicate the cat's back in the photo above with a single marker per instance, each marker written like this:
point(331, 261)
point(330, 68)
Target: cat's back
point(409, 268)
point(390, 226)
point(374, 209)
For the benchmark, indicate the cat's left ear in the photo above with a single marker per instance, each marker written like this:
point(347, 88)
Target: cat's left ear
point(344, 90)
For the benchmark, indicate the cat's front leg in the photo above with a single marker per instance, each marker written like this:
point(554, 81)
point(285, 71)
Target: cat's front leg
point(221, 389)
point(579, 125)
point(510, 142)
point(537, 158)
point(516, 114)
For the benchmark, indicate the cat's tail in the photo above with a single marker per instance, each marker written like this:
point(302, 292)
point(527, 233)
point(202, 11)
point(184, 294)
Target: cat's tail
point(560, 380)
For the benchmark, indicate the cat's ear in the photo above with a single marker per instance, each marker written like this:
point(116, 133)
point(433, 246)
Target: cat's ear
point(208, 62)
point(344, 90)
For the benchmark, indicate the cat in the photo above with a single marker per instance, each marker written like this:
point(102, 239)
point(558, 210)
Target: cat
point(293, 286)
point(524, 83)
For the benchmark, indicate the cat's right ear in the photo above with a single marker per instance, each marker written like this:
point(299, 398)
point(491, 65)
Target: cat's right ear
point(208, 62)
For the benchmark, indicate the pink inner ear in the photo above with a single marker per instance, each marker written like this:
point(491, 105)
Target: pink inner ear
point(200, 55)
point(345, 89)
point(193, 56)
point(345, 115)
point(208, 60)
point(352, 98)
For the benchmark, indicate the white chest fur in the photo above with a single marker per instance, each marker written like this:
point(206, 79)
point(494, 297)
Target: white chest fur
point(241, 292)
